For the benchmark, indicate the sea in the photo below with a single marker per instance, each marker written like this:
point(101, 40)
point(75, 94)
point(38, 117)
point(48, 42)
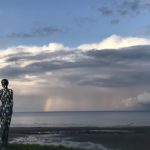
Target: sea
point(81, 119)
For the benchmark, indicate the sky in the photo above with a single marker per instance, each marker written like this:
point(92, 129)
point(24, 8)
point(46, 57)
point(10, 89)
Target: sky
point(76, 55)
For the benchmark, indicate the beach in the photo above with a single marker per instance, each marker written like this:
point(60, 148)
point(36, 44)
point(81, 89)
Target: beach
point(90, 130)
point(93, 138)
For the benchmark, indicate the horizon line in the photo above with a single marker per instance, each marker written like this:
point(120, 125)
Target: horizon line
point(82, 111)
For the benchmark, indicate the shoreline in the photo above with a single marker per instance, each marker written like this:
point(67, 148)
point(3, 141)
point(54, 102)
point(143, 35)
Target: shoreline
point(94, 138)
point(30, 130)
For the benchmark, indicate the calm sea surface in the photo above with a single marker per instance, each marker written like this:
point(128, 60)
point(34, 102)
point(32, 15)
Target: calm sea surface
point(88, 118)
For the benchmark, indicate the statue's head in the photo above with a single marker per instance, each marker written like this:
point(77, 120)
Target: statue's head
point(4, 83)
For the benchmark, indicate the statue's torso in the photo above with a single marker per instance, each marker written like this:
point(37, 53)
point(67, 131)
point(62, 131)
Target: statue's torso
point(6, 97)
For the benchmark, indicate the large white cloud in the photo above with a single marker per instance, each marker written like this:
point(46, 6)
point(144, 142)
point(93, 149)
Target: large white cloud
point(21, 50)
point(111, 42)
point(115, 42)
point(51, 47)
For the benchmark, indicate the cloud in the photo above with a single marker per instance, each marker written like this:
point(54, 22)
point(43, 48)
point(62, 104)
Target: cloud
point(140, 102)
point(115, 42)
point(121, 65)
point(144, 98)
point(120, 9)
point(77, 75)
point(105, 11)
point(118, 80)
point(131, 7)
point(36, 32)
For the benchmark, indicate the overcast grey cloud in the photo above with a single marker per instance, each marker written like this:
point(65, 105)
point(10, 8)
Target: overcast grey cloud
point(123, 64)
point(52, 71)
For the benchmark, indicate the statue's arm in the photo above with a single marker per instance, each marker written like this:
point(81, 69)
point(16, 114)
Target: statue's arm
point(0, 95)
point(1, 102)
point(12, 97)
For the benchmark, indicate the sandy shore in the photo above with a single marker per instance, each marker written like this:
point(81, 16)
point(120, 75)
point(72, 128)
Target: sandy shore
point(112, 138)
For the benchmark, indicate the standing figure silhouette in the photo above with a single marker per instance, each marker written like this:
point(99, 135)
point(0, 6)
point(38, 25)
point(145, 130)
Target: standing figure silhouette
point(6, 110)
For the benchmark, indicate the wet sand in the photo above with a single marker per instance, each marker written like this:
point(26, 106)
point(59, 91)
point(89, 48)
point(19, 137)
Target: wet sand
point(112, 138)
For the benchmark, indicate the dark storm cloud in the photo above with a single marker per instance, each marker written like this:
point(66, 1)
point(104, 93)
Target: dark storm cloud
point(128, 67)
point(36, 32)
point(45, 66)
point(120, 79)
point(137, 53)
point(40, 56)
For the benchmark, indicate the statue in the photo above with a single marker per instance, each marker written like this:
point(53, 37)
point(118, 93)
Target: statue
point(6, 110)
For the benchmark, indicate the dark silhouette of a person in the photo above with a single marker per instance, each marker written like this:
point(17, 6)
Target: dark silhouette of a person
point(6, 108)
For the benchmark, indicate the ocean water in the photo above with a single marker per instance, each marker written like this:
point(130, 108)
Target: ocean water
point(81, 119)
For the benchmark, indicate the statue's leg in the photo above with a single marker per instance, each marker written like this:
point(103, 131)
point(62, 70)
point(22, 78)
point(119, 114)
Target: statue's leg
point(3, 136)
point(6, 134)
point(5, 131)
